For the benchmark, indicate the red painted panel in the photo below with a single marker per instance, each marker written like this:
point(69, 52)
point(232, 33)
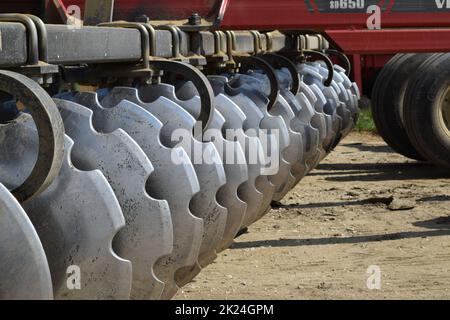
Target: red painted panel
point(295, 14)
point(156, 9)
point(264, 14)
point(392, 40)
point(21, 6)
point(356, 69)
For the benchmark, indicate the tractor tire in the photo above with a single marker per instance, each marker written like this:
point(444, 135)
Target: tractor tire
point(388, 102)
point(427, 110)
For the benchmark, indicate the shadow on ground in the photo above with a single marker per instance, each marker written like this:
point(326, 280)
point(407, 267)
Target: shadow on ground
point(345, 172)
point(440, 227)
point(331, 204)
point(369, 148)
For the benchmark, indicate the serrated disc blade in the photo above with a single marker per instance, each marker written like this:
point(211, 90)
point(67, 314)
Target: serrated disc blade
point(211, 176)
point(331, 106)
point(257, 188)
point(141, 125)
point(314, 112)
point(209, 170)
point(314, 79)
point(147, 232)
point(292, 153)
point(24, 271)
point(234, 163)
point(76, 217)
point(189, 102)
point(340, 96)
point(231, 153)
point(146, 129)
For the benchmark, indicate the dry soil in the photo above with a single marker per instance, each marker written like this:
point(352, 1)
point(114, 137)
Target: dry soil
point(364, 206)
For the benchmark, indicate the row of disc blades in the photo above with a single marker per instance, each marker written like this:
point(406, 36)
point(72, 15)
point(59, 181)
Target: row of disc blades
point(133, 212)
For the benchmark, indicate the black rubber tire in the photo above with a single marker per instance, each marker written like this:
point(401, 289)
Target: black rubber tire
point(422, 114)
point(388, 102)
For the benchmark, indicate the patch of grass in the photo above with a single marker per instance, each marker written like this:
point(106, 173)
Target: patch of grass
point(365, 122)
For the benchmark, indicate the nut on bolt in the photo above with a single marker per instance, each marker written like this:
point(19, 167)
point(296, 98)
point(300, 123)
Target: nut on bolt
point(142, 18)
point(195, 19)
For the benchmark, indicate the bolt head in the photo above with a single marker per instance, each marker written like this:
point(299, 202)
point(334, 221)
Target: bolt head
point(195, 19)
point(142, 18)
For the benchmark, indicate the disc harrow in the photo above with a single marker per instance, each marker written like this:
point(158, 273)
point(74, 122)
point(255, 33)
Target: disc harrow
point(126, 177)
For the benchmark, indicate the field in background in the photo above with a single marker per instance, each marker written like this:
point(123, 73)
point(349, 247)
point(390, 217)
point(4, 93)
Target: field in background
point(365, 122)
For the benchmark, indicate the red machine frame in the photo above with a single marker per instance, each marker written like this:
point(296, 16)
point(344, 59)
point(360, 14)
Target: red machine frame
point(369, 50)
point(402, 31)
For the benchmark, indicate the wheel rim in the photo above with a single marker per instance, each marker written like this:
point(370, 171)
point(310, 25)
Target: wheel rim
point(444, 114)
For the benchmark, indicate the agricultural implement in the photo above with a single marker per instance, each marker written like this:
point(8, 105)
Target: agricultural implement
point(137, 139)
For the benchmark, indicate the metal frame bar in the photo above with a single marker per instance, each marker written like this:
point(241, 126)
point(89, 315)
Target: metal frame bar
point(67, 45)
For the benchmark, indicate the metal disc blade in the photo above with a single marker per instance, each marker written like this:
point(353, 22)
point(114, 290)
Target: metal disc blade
point(24, 271)
point(352, 89)
point(326, 96)
point(292, 153)
point(235, 165)
point(76, 217)
point(308, 98)
point(342, 96)
point(118, 112)
point(189, 103)
point(231, 153)
point(257, 188)
point(270, 129)
point(140, 125)
point(314, 80)
point(187, 228)
point(306, 107)
point(273, 121)
point(331, 110)
point(127, 170)
point(311, 123)
point(348, 83)
point(211, 175)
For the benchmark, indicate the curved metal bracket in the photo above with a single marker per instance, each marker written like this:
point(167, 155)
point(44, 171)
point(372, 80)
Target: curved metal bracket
point(50, 129)
point(152, 35)
point(219, 55)
point(256, 41)
point(145, 37)
point(254, 62)
point(200, 82)
point(42, 37)
point(343, 57)
point(327, 61)
point(269, 40)
point(231, 46)
point(32, 34)
point(280, 62)
point(217, 49)
point(174, 31)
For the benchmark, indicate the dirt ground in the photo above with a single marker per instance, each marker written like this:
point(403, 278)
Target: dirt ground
point(339, 221)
